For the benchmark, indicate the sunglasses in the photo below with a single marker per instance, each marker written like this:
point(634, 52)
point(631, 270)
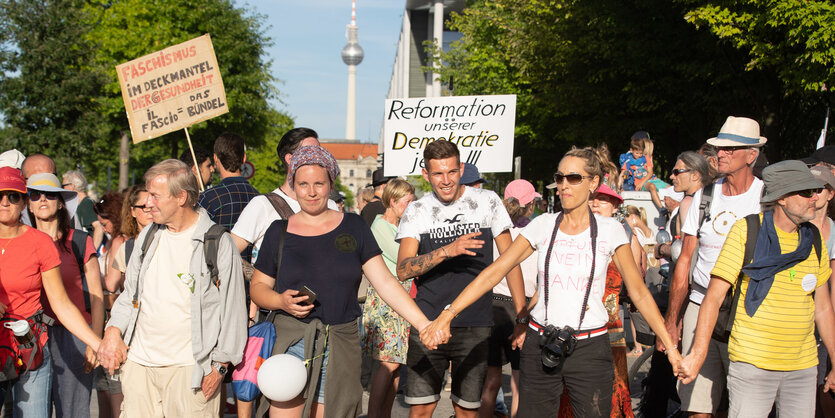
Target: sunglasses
point(99, 208)
point(677, 171)
point(13, 196)
point(35, 195)
point(573, 179)
point(808, 193)
point(143, 207)
point(730, 150)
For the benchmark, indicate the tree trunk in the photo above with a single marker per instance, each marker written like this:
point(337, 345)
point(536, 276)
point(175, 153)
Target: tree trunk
point(124, 161)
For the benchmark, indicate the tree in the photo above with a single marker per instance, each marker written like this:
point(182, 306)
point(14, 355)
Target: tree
point(59, 93)
point(794, 37)
point(591, 72)
point(49, 91)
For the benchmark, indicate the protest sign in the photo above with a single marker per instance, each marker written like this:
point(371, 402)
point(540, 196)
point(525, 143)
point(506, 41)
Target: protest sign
point(172, 89)
point(481, 126)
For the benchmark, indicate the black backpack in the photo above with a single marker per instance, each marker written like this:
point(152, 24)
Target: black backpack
point(79, 243)
point(727, 311)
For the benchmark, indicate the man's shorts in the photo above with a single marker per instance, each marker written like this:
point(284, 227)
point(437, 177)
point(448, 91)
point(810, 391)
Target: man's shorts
point(705, 392)
point(466, 350)
point(504, 322)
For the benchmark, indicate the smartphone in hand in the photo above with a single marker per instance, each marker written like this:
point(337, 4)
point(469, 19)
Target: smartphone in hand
point(311, 296)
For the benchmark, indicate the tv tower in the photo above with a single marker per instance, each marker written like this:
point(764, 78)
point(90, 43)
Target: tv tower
point(352, 55)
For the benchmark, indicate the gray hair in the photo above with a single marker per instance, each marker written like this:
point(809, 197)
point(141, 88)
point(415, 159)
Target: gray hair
point(77, 179)
point(696, 162)
point(179, 177)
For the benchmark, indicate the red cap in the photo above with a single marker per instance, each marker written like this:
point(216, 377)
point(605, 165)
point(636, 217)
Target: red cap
point(11, 179)
point(605, 189)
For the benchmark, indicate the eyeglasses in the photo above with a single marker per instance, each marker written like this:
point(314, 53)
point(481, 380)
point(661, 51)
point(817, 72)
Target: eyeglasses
point(35, 195)
point(677, 171)
point(13, 196)
point(730, 150)
point(808, 193)
point(143, 207)
point(64, 185)
point(573, 178)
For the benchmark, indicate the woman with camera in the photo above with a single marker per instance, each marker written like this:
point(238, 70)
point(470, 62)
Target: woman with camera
point(564, 340)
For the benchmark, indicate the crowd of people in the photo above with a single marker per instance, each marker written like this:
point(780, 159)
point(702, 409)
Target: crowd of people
point(146, 294)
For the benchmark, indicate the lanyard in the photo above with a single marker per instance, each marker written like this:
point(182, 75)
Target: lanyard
point(593, 233)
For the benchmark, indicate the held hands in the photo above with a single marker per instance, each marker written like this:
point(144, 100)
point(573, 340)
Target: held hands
point(463, 245)
point(674, 357)
point(690, 366)
point(435, 333)
point(112, 350)
point(90, 360)
point(294, 305)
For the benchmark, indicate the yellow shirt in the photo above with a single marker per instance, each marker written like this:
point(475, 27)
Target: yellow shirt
point(780, 336)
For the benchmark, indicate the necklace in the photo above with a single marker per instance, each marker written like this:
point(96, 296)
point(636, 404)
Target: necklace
point(3, 249)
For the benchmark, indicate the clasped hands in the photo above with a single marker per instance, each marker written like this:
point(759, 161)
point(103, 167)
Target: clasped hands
point(437, 332)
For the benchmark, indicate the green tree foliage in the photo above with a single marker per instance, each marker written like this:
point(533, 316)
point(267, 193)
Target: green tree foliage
point(594, 71)
point(60, 94)
point(794, 37)
point(49, 91)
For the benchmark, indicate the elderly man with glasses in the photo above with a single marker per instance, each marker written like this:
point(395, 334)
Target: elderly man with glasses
point(713, 211)
point(779, 267)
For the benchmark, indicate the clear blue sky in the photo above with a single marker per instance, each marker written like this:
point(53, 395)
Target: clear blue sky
point(308, 37)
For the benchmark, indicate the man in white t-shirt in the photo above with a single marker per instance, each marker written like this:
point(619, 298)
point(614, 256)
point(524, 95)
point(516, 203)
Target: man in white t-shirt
point(734, 196)
point(185, 326)
point(442, 242)
point(259, 213)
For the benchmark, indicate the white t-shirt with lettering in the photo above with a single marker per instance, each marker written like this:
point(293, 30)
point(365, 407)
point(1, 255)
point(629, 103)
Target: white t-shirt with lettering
point(569, 270)
point(724, 212)
point(163, 328)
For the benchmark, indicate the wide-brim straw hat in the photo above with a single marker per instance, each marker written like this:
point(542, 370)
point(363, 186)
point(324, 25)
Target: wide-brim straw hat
point(48, 182)
point(738, 132)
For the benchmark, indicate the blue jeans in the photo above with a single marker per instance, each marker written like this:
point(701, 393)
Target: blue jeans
point(297, 350)
point(31, 392)
point(72, 385)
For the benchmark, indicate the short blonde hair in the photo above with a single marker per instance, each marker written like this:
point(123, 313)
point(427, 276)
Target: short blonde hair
point(179, 178)
point(395, 190)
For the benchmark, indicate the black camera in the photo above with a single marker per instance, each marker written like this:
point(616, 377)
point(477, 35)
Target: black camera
point(556, 345)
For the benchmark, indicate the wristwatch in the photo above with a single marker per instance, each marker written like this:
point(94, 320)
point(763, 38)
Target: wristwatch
point(523, 320)
point(451, 310)
point(220, 367)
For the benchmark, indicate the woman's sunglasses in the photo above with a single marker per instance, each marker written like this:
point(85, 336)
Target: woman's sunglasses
point(35, 195)
point(808, 193)
point(677, 171)
point(13, 196)
point(573, 179)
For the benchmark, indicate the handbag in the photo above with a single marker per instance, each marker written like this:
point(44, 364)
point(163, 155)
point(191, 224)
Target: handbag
point(259, 343)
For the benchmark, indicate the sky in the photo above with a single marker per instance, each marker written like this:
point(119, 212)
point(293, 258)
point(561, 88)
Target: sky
point(308, 37)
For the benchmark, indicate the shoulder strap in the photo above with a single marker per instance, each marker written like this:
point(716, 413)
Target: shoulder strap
point(704, 207)
point(211, 243)
point(280, 205)
point(282, 234)
point(146, 243)
point(753, 224)
point(129, 249)
point(816, 241)
point(79, 243)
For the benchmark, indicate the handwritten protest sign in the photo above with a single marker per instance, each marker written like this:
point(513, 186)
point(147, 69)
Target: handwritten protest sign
point(481, 126)
point(172, 89)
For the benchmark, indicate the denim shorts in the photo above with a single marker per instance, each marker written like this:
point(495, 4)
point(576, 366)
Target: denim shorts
point(297, 350)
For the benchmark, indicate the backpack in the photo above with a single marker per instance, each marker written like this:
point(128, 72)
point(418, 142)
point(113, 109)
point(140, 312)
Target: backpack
point(727, 310)
point(79, 244)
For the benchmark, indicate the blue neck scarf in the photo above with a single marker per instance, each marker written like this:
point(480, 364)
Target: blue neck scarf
point(768, 260)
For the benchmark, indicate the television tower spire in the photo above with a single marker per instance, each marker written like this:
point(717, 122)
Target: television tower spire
point(352, 55)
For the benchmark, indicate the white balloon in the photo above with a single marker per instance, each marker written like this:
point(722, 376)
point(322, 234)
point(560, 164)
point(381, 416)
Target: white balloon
point(282, 377)
point(675, 250)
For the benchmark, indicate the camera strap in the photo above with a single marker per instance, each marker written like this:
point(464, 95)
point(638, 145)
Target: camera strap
point(593, 234)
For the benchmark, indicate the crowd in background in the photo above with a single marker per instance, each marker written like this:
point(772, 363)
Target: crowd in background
point(443, 289)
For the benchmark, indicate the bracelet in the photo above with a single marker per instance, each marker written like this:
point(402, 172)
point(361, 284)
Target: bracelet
point(445, 253)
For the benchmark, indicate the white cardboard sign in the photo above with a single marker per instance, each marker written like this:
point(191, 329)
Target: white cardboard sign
point(481, 126)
